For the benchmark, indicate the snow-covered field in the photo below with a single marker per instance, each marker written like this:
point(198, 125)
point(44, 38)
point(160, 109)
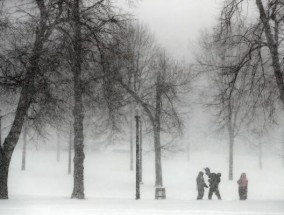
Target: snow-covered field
point(45, 187)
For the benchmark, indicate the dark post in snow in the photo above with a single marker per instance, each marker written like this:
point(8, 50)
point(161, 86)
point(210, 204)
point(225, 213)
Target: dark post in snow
point(131, 138)
point(137, 119)
point(140, 152)
point(24, 148)
point(69, 151)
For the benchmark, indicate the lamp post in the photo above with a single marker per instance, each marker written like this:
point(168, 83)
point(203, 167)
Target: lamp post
point(140, 152)
point(137, 120)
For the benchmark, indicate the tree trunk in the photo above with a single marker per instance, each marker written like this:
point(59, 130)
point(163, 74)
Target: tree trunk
point(188, 150)
point(58, 147)
point(24, 149)
point(7, 149)
point(157, 129)
point(4, 168)
point(158, 159)
point(27, 93)
point(272, 42)
point(260, 154)
point(69, 152)
point(282, 154)
point(78, 112)
point(231, 155)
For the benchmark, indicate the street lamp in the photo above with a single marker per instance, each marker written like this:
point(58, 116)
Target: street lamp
point(137, 120)
point(140, 151)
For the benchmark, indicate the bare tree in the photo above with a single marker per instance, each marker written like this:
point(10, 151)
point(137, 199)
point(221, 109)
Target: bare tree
point(247, 60)
point(158, 84)
point(20, 71)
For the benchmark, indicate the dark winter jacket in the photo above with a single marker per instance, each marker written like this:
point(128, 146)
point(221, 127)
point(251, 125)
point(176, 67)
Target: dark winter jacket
point(214, 180)
point(200, 181)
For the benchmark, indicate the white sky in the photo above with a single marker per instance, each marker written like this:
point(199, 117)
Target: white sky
point(177, 23)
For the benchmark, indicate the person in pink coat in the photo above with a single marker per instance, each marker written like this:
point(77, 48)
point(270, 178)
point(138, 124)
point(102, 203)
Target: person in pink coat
point(243, 186)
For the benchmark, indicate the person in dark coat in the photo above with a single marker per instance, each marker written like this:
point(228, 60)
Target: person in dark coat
point(200, 185)
point(214, 180)
point(243, 186)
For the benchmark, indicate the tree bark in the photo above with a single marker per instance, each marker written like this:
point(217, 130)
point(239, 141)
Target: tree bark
point(25, 100)
point(157, 129)
point(282, 154)
point(4, 168)
point(69, 152)
point(24, 152)
point(273, 48)
point(231, 154)
point(260, 154)
point(78, 112)
point(58, 147)
point(158, 158)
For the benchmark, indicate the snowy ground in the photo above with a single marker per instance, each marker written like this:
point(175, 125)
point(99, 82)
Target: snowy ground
point(45, 187)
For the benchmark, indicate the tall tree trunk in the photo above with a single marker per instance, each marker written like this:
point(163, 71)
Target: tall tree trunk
point(4, 168)
point(282, 154)
point(26, 95)
point(158, 158)
point(260, 154)
point(24, 152)
point(58, 147)
point(7, 149)
point(231, 154)
point(69, 151)
point(188, 150)
point(157, 130)
point(78, 112)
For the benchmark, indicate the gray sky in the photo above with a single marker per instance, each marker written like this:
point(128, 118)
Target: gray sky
point(177, 23)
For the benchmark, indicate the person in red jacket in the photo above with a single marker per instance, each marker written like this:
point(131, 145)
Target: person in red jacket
point(243, 186)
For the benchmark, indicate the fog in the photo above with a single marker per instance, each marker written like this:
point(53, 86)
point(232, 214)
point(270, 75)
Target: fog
point(177, 137)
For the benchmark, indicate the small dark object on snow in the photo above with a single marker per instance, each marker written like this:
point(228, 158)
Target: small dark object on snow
point(243, 186)
point(160, 193)
point(200, 185)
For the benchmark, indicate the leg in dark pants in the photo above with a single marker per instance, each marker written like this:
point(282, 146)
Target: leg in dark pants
point(200, 194)
point(243, 193)
point(217, 193)
point(210, 193)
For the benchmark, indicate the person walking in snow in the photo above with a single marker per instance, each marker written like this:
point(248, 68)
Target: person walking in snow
point(214, 181)
point(200, 185)
point(243, 186)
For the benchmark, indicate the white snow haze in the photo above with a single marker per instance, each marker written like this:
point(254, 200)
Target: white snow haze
point(45, 187)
